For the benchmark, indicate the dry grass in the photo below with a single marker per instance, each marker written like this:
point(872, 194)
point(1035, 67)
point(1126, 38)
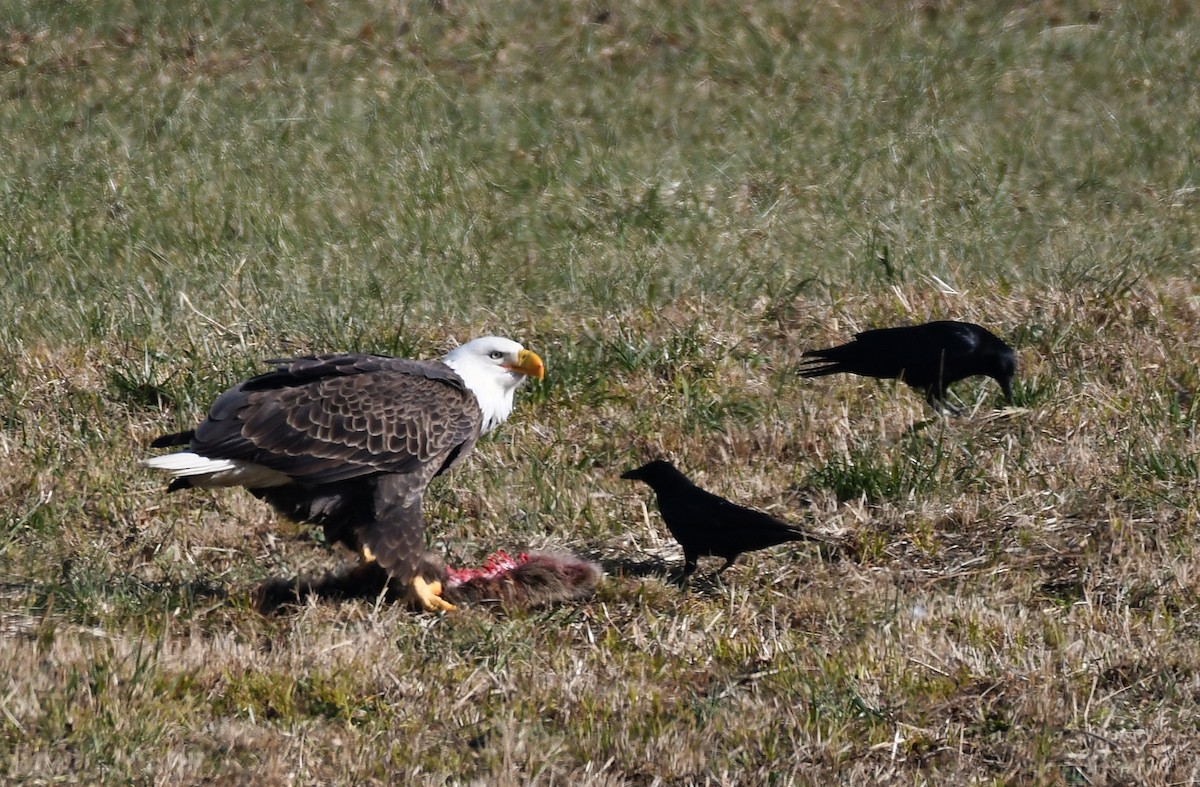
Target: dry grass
point(1021, 610)
point(670, 202)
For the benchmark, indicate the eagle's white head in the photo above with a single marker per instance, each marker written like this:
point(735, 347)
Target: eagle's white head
point(493, 368)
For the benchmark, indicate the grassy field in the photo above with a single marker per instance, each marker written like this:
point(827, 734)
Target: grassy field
point(669, 202)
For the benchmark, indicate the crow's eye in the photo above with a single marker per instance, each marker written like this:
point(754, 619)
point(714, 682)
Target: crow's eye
point(495, 355)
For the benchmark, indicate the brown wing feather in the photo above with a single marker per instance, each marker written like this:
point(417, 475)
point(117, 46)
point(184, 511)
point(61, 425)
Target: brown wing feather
point(331, 418)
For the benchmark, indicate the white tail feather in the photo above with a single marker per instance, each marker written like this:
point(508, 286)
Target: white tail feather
point(203, 471)
point(187, 463)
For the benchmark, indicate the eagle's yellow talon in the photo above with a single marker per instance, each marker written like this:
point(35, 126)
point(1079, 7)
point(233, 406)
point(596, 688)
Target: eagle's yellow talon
point(367, 555)
point(428, 595)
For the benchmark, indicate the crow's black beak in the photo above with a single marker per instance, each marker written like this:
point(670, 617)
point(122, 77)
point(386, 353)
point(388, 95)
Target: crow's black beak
point(1006, 387)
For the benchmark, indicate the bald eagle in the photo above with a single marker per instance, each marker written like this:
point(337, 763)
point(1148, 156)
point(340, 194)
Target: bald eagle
point(350, 441)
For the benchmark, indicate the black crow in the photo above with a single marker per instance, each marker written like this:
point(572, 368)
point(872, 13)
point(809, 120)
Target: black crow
point(928, 357)
point(705, 524)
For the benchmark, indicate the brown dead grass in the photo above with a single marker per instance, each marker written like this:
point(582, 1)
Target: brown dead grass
point(1028, 617)
point(670, 202)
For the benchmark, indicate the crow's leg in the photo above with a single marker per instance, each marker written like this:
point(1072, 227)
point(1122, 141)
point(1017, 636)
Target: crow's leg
point(690, 564)
point(728, 562)
point(936, 397)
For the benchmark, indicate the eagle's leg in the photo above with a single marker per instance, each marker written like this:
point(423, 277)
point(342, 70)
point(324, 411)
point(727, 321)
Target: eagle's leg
point(394, 536)
point(428, 595)
point(425, 594)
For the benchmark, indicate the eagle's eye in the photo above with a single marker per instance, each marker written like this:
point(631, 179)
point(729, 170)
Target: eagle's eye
point(495, 355)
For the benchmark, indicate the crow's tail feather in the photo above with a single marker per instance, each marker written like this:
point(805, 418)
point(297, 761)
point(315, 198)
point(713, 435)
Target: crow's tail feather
point(830, 367)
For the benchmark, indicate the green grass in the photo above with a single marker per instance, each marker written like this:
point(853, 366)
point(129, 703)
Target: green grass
point(670, 202)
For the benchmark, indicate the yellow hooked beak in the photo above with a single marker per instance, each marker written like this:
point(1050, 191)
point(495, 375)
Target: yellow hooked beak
point(529, 364)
